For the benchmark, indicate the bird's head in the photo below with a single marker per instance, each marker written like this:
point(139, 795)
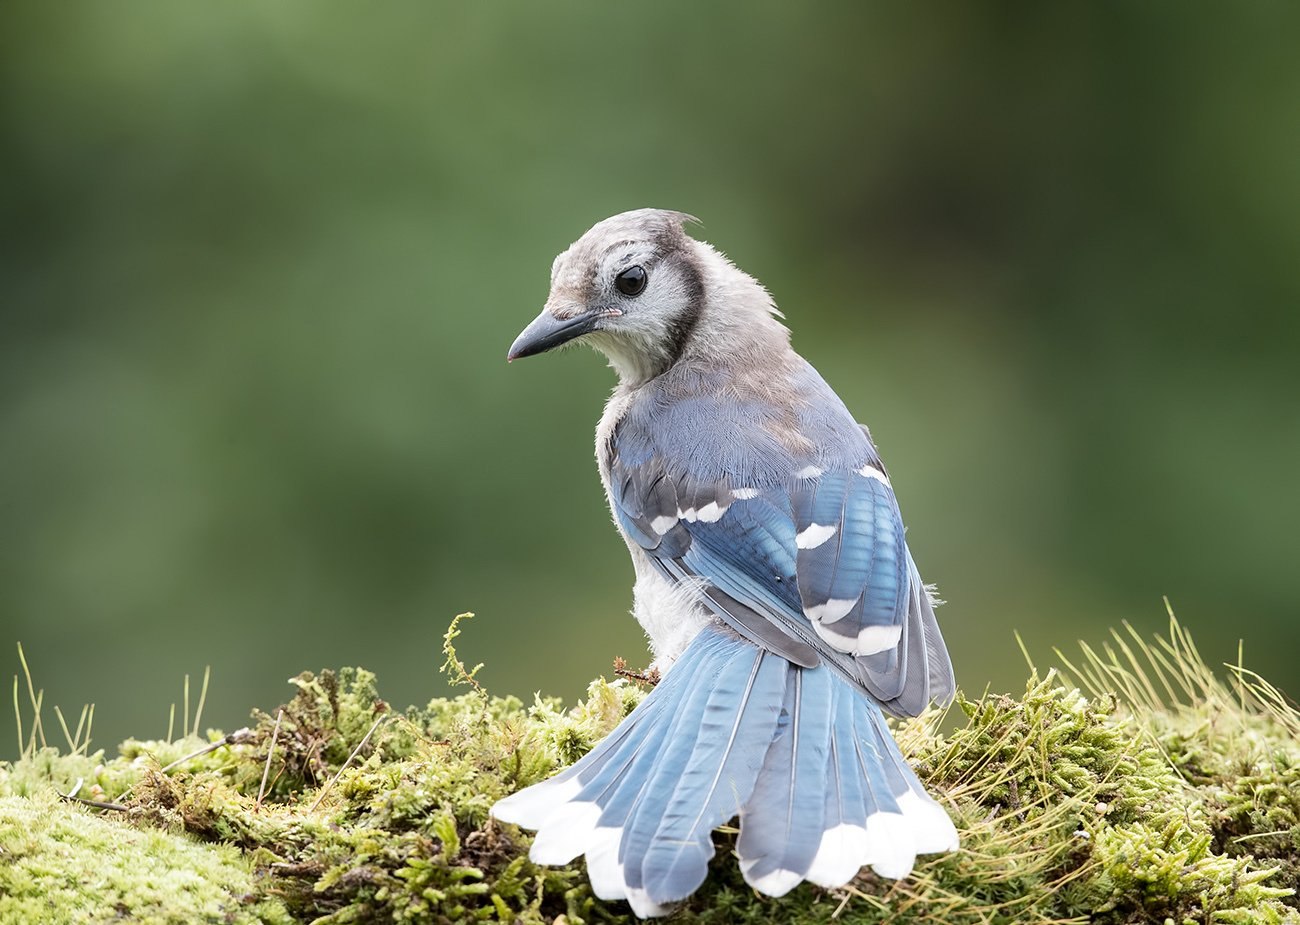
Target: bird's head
point(635, 288)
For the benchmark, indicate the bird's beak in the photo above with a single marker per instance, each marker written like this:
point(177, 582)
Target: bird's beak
point(547, 332)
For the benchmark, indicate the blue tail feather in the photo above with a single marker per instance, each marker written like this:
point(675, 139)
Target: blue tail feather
point(615, 785)
point(780, 828)
point(739, 718)
point(845, 797)
point(880, 796)
point(611, 771)
point(801, 756)
point(673, 754)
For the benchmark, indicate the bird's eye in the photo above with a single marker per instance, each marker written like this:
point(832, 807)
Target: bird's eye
point(631, 281)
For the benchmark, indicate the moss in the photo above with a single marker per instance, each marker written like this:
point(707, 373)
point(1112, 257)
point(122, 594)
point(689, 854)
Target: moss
point(1139, 789)
point(60, 863)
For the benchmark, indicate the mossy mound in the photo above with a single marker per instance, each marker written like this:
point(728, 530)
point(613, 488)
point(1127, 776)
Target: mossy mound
point(63, 865)
point(1160, 795)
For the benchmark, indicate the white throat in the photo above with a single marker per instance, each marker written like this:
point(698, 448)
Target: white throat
point(637, 360)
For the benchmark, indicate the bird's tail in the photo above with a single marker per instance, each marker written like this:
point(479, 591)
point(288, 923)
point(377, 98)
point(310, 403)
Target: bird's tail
point(802, 757)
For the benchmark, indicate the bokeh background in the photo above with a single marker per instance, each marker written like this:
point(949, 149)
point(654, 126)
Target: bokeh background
point(261, 263)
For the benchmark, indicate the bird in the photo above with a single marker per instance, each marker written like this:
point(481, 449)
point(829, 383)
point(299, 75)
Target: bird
point(773, 580)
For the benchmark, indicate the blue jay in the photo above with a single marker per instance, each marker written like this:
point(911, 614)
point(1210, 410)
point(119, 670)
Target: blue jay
point(772, 579)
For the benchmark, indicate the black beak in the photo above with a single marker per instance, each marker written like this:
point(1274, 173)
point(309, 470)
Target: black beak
point(547, 332)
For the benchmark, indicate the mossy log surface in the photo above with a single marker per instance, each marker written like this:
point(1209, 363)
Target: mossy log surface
point(1133, 786)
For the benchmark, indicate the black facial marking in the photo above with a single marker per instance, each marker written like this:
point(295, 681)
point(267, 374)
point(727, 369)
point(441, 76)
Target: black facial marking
point(681, 327)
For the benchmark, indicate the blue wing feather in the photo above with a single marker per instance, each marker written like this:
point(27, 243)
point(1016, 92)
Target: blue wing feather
point(814, 567)
point(863, 562)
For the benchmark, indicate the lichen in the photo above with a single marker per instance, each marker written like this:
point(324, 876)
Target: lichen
point(1139, 788)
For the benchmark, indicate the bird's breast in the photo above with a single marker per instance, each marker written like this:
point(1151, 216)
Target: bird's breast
point(670, 612)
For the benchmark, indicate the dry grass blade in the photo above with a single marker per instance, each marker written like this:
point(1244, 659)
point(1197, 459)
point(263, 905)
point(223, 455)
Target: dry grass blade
point(266, 771)
point(343, 767)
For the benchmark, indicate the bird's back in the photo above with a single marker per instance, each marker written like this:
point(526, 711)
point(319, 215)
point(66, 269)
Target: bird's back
point(715, 472)
point(755, 424)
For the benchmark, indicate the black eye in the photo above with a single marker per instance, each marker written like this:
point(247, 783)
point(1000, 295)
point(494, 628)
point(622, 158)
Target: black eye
point(631, 281)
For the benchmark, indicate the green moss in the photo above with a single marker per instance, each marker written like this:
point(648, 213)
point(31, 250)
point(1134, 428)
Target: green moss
point(1146, 791)
point(60, 863)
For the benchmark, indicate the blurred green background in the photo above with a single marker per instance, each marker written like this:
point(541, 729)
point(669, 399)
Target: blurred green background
point(261, 263)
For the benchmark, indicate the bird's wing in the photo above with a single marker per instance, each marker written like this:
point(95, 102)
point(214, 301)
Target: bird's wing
point(816, 568)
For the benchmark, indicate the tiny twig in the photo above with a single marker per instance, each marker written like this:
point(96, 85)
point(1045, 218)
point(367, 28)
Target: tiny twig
point(98, 804)
point(650, 676)
point(275, 733)
point(344, 767)
point(238, 737)
point(71, 797)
